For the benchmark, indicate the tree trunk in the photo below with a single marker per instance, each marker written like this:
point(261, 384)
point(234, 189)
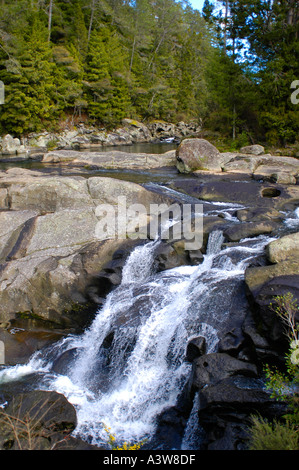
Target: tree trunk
point(234, 122)
point(91, 19)
point(225, 27)
point(50, 19)
point(132, 54)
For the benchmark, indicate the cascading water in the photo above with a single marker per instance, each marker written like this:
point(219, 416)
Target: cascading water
point(292, 221)
point(130, 364)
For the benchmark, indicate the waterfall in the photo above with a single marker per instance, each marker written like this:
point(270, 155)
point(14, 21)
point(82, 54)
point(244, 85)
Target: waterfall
point(126, 382)
point(193, 433)
point(139, 264)
point(292, 221)
point(215, 241)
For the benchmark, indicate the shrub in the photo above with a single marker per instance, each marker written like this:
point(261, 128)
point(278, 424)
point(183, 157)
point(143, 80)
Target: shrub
point(124, 446)
point(273, 436)
point(284, 434)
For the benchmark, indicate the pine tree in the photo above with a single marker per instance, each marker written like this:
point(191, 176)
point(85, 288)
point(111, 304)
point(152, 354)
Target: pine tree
point(29, 104)
point(97, 79)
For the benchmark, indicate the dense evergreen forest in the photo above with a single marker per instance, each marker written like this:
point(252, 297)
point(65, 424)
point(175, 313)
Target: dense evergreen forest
point(231, 67)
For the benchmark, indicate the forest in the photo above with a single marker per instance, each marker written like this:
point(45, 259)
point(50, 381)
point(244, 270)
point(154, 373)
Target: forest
point(233, 68)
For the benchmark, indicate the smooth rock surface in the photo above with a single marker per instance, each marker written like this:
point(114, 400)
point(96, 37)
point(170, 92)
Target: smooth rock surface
point(197, 154)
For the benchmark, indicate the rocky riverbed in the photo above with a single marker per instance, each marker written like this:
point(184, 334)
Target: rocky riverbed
point(82, 137)
point(55, 272)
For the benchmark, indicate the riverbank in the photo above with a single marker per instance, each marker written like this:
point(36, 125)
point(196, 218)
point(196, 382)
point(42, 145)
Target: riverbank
point(89, 137)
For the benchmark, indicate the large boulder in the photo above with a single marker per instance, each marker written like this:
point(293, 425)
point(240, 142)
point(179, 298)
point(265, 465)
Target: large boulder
point(228, 390)
point(226, 407)
point(253, 149)
point(249, 229)
point(11, 146)
point(256, 277)
point(110, 160)
point(49, 194)
point(197, 154)
point(263, 168)
point(138, 131)
point(241, 164)
point(212, 368)
point(263, 284)
point(251, 193)
point(39, 420)
point(51, 250)
point(284, 248)
point(23, 337)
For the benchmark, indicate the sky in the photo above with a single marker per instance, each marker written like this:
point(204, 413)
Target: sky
point(197, 4)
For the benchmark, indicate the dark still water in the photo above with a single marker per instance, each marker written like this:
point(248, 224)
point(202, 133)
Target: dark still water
point(161, 175)
point(160, 147)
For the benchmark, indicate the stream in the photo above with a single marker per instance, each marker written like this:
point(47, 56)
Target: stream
point(129, 365)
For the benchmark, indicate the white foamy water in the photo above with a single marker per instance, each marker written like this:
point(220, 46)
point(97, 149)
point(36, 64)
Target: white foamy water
point(293, 220)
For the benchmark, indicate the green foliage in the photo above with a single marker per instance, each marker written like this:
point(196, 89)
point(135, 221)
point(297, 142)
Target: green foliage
point(103, 60)
point(273, 436)
point(286, 307)
point(284, 386)
point(29, 86)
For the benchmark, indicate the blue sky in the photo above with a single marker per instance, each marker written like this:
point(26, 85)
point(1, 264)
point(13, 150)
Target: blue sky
point(197, 4)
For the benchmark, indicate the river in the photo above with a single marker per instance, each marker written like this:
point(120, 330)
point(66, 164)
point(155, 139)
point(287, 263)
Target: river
point(129, 365)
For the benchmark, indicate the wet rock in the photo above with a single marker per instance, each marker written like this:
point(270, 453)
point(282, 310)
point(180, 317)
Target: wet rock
point(226, 407)
point(62, 364)
point(210, 369)
point(170, 427)
point(264, 283)
point(256, 277)
point(259, 348)
point(259, 214)
point(250, 229)
point(168, 257)
point(271, 326)
point(196, 257)
point(23, 337)
point(223, 189)
point(196, 348)
point(229, 390)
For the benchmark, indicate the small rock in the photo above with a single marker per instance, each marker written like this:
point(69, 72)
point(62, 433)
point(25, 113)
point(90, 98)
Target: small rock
point(253, 150)
point(249, 229)
point(10, 145)
point(196, 348)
